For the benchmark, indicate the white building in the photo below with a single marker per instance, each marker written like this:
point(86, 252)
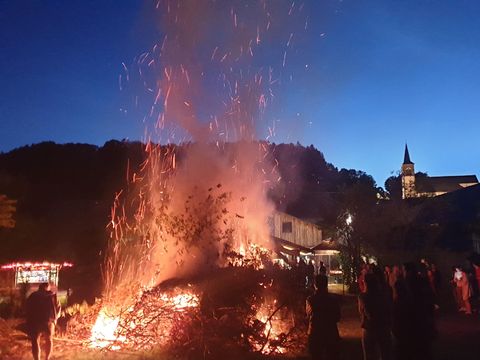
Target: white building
point(296, 238)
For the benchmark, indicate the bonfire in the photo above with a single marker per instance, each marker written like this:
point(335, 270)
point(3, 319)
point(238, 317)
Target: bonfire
point(239, 308)
point(188, 265)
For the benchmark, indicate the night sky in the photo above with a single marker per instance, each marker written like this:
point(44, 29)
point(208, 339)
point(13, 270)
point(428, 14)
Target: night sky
point(375, 74)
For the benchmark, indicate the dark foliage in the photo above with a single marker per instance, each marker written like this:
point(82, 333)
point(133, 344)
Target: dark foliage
point(64, 195)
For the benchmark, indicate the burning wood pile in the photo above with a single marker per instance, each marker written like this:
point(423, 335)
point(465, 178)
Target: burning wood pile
point(234, 309)
point(154, 318)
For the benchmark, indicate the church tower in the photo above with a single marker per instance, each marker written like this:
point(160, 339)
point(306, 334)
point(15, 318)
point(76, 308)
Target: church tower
point(408, 176)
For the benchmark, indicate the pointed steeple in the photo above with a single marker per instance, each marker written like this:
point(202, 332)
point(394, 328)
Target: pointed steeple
point(406, 157)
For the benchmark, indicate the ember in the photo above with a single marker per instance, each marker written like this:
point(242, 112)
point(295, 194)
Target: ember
point(274, 328)
point(181, 301)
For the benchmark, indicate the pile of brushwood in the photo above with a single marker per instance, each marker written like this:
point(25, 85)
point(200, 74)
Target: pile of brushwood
point(229, 313)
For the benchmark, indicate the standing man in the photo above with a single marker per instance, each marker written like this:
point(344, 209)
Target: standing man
point(323, 312)
point(375, 316)
point(323, 269)
point(419, 315)
point(42, 310)
point(310, 274)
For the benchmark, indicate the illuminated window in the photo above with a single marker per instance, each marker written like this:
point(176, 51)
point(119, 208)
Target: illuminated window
point(287, 227)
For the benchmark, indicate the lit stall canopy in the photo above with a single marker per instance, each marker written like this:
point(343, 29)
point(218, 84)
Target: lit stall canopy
point(326, 251)
point(36, 273)
point(290, 251)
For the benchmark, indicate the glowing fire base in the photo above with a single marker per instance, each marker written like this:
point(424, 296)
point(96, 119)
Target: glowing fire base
point(234, 306)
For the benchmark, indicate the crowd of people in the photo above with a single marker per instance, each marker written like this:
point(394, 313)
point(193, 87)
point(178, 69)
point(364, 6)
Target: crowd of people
point(398, 301)
point(396, 307)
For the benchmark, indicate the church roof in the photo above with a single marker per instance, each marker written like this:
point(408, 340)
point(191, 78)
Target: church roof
point(406, 157)
point(431, 184)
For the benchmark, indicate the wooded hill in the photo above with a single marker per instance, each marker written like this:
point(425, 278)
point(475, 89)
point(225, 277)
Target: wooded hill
point(65, 193)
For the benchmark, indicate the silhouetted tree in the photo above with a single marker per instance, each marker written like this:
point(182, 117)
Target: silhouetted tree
point(355, 226)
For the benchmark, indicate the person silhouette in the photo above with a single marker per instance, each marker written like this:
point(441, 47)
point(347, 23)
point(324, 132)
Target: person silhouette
point(310, 274)
point(374, 306)
point(42, 310)
point(413, 316)
point(323, 313)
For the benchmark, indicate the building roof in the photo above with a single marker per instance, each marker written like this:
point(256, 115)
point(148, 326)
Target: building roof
point(406, 156)
point(289, 247)
point(433, 184)
point(326, 245)
point(463, 205)
point(294, 249)
point(454, 217)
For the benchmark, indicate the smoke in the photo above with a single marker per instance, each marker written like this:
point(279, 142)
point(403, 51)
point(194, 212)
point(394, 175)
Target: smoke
point(217, 199)
point(191, 203)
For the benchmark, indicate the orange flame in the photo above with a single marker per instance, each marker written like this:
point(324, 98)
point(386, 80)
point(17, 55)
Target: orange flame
point(104, 331)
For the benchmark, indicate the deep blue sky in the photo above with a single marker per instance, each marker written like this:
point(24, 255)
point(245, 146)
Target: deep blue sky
point(380, 72)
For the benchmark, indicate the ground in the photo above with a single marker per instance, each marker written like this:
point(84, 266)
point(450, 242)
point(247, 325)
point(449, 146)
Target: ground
point(459, 338)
